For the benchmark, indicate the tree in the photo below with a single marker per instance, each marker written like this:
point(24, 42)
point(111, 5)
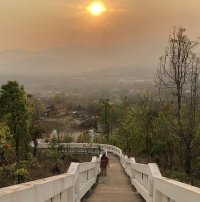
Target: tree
point(178, 73)
point(149, 109)
point(36, 128)
point(4, 143)
point(175, 65)
point(192, 114)
point(36, 131)
point(136, 126)
point(165, 139)
point(129, 135)
point(105, 117)
point(14, 111)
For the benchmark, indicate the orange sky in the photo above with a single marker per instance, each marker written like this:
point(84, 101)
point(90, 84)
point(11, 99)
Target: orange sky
point(41, 24)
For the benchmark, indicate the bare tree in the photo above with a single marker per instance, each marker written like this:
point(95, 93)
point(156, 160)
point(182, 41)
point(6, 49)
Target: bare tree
point(178, 71)
point(175, 65)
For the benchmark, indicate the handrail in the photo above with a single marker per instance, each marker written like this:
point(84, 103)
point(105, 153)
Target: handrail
point(71, 187)
point(43, 190)
point(148, 181)
point(85, 175)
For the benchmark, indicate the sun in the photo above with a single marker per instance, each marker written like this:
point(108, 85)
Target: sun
point(96, 8)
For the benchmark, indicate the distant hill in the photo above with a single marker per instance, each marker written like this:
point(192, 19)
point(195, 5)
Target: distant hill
point(74, 67)
point(126, 71)
point(73, 60)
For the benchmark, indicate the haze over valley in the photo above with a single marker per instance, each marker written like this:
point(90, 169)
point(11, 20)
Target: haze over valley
point(70, 70)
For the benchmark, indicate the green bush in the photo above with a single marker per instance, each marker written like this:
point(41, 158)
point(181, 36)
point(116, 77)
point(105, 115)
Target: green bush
point(7, 174)
point(21, 175)
point(53, 143)
point(178, 175)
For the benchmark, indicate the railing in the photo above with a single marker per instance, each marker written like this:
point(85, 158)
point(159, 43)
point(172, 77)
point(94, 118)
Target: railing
point(105, 147)
point(71, 187)
point(142, 177)
point(174, 191)
point(57, 188)
point(85, 176)
point(149, 183)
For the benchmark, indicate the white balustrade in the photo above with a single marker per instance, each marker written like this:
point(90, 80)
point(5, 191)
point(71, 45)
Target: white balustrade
point(58, 189)
point(173, 191)
point(150, 184)
point(71, 187)
point(85, 176)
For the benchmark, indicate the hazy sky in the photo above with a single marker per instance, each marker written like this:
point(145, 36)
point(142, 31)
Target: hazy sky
point(40, 24)
point(137, 27)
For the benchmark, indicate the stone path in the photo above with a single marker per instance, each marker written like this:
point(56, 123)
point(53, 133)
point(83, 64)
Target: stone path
point(114, 188)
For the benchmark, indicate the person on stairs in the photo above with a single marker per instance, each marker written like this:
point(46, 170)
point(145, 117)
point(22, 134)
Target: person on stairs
point(104, 164)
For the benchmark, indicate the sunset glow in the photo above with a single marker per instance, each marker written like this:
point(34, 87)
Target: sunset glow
point(96, 8)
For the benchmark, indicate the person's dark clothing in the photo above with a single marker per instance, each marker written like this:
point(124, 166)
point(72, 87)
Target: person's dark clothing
point(104, 164)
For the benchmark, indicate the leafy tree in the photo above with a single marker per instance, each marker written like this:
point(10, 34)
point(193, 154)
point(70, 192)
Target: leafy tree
point(4, 143)
point(149, 109)
point(110, 117)
point(14, 111)
point(105, 117)
point(165, 139)
point(36, 131)
point(129, 134)
point(135, 132)
point(36, 128)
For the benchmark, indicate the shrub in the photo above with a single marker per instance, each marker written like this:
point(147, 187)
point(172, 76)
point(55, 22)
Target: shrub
point(21, 175)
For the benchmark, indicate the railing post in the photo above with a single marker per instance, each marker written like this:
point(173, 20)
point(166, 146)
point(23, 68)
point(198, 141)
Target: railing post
point(124, 159)
point(73, 194)
point(97, 165)
point(154, 171)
